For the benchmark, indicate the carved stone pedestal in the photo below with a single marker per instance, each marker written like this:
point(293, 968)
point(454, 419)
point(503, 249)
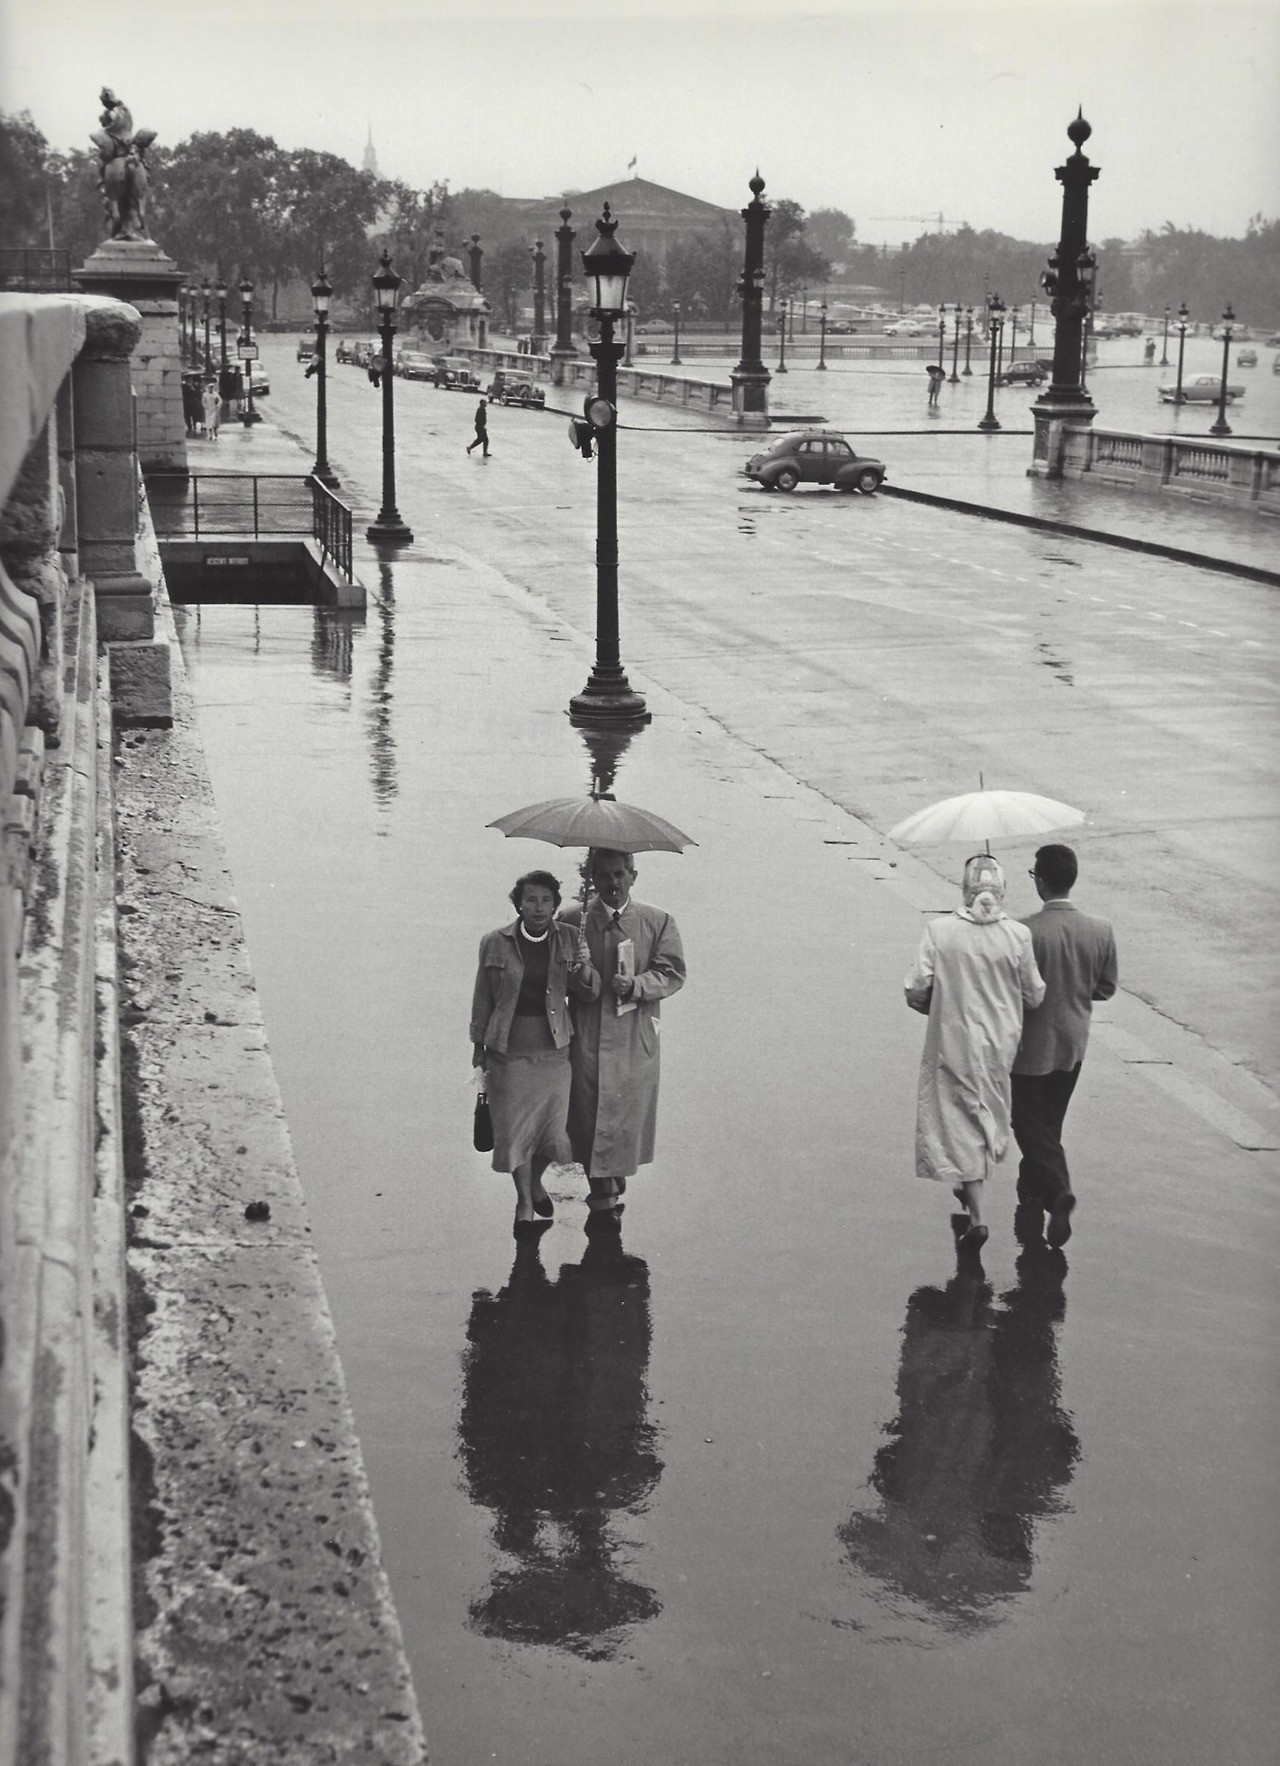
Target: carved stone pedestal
point(139, 272)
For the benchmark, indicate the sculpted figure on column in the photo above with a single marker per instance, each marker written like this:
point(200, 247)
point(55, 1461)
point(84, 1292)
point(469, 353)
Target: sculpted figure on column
point(122, 175)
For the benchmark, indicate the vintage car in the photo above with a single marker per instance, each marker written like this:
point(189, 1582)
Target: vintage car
point(1201, 389)
point(415, 365)
point(512, 388)
point(1247, 358)
point(357, 353)
point(814, 456)
point(1024, 374)
point(456, 372)
point(909, 328)
point(306, 348)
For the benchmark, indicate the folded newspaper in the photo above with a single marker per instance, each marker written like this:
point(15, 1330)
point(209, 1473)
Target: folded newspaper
point(626, 966)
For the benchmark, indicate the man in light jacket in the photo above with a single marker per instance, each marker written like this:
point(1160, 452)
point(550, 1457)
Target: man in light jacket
point(1076, 955)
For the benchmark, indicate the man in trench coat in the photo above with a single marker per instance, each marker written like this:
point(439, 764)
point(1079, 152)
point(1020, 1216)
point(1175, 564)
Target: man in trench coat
point(613, 1103)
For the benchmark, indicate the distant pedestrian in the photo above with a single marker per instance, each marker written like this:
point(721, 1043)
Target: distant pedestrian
point(1076, 955)
point(973, 975)
point(936, 377)
point(482, 429)
point(191, 410)
point(1149, 351)
point(212, 407)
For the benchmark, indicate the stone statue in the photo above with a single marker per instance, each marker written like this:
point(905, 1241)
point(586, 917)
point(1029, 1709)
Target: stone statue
point(122, 175)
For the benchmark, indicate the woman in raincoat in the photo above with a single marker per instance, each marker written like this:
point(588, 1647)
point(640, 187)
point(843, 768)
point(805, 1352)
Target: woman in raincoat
point(973, 975)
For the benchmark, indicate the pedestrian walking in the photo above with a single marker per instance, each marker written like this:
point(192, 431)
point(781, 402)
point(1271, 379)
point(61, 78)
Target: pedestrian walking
point(1149, 351)
point(520, 1036)
point(937, 376)
point(482, 429)
point(613, 1101)
point(211, 404)
point(191, 410)
point(1076, 955)
point(974, 974)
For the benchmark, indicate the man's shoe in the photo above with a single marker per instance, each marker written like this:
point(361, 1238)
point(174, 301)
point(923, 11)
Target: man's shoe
point(1030, 1189)
point(1058, 1230)
point(1028, 1223)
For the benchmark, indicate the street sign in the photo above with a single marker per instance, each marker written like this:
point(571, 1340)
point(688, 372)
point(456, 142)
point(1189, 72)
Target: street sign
point(248, 352)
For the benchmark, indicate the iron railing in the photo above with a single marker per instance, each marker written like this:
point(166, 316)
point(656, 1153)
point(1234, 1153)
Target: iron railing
point(35, 267)
point(257, 505)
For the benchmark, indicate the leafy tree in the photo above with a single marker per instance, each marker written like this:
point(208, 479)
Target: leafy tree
point(790, 262)
point(409, 223)
point(508, 278)
point(645, 288)
point(24, 155)
point(79, 222)
point(832, 232)
point(326, 208)
point(219, 204)
point(702, 272)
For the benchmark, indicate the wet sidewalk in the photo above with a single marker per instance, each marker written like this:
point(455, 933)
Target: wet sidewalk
point(774, 1480)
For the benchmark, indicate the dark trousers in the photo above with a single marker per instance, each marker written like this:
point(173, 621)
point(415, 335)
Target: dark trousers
point(1039, 1108)
point(482, 440)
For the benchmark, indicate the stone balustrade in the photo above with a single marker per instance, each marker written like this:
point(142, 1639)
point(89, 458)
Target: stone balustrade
point(1214, 470)
point(638, 383)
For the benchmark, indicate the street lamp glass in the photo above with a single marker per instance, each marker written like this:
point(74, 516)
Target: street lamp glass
point(204, 289)
point(385, 285)
point(221, 289)
point(246, 289)
point(321, 294)
point(1228, 317)
point(607, 267)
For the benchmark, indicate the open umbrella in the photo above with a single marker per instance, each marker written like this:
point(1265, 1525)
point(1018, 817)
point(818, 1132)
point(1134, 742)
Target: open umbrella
point(985, 815)
point(593, 821)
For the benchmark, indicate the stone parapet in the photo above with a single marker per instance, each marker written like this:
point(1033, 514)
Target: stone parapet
point(139, 273)
point(1202, 467)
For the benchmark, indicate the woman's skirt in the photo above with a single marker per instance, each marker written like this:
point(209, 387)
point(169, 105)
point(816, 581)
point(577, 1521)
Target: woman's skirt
point(529, 1103)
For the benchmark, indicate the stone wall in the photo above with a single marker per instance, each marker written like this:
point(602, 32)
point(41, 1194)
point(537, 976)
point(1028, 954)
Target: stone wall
point(1204, 467)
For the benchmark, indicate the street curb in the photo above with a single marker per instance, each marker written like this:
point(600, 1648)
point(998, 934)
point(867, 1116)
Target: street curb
point(1176, 554)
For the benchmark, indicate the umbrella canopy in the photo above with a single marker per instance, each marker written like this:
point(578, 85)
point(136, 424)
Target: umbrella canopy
point(985, 815)
point(593, 821)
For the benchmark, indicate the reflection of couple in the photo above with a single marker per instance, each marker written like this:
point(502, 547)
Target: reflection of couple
point(555, 1440)
point(980, 1450)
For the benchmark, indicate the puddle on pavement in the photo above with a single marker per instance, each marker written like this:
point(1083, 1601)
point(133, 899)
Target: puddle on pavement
point(1060, 668)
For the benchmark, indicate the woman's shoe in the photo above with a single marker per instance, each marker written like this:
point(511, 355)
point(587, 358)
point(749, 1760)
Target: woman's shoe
point(960, 1224)
point(545, 1207)
point(973, 1240)
point(530, 1229)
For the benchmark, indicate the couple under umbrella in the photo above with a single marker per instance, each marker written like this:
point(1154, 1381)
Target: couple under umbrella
point(578, 1082)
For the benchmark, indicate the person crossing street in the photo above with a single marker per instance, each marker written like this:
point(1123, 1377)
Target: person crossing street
point(482, 429)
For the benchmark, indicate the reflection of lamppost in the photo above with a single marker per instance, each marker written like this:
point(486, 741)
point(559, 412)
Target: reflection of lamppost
point(248, 415)
point(608, 696)
point(954, 378)
point(1164, 341)
point(1182, 344)
point(224, 371)
point(1222, 427)
point(675, 353)
point(782, 339)
point(968, 339)
point(995, 310)
point(322, 294)
point(388, 529)
point(204, 293)
point(822, 335)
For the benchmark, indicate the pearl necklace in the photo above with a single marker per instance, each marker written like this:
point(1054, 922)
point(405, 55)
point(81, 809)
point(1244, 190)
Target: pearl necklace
point(532, 938)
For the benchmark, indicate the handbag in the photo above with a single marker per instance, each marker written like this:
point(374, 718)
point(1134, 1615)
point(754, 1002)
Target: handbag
point(482, 1127)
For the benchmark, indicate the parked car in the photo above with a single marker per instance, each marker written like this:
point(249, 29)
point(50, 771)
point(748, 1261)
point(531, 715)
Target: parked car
point(1247, 359)
point(1275, 364)
point(814, 456)
point(1273, 342)
point(1024, 374)
point(908, 328)
point(415, 365)
point(511, 388)
point(456, 371)
point(259, 382)
point(1201, 389)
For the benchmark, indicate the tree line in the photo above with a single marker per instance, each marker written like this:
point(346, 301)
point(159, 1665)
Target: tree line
point(236, 204)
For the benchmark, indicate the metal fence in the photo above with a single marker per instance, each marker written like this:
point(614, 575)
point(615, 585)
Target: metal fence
point(260, 506)
point(35, 268)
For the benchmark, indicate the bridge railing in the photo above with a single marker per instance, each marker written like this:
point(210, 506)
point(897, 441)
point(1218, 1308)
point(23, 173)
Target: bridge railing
point(35, 269)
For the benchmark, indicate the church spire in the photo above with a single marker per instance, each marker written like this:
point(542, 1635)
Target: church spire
point(370, 155)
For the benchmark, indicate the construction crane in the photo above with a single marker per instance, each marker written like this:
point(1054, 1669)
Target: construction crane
point(939, 219)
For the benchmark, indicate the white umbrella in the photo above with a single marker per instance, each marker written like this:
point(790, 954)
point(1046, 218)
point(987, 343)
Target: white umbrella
point(985, 815)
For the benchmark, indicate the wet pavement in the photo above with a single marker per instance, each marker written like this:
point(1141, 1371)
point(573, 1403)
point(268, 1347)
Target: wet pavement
point(772, 1480)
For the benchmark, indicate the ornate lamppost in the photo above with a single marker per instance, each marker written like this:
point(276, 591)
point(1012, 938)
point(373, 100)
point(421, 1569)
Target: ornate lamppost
point(1222, 427)
point(248, 349)
point(387, 529)
point(953, 378)
point(968, 340)
point(1088, 266)
point(1065, 400)
point(1005, 365)
point(675, 353)
point(942, 337)
point(1183, 316)
point(475, 251)
point(750, 378)
point(538, 341)
point(822, 336)
point(224, 368)
point(608, 696)
point(1164, 341)
point(782, 339)
point(563, 348)
point(321, 295)
point(204, 294)
point(1031, 333)
point(995, 312)
point(631, 324)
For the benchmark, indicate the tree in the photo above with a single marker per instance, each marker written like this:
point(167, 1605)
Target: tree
point(219, 203)
point(644, 289)
point(410, 221)
point(702, 272)
point(24, 156)
point(508, 278)
point(326, 208)
point(790, 261)
point(832, 232)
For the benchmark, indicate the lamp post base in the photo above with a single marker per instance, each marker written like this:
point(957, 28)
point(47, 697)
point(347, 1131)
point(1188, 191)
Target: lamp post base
point(326, 476)
point(611, 702)
point(389, 530)
point(1221, 427)
point(990, 424)
point(248, 417)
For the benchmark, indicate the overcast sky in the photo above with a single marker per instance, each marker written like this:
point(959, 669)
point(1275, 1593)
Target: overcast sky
point(899, 110)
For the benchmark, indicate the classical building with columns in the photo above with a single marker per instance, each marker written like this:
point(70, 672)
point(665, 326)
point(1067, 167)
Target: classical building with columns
point(650, 216)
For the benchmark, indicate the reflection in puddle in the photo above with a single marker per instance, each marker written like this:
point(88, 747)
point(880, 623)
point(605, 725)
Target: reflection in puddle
point(979, 1452)
point(555, 1440)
